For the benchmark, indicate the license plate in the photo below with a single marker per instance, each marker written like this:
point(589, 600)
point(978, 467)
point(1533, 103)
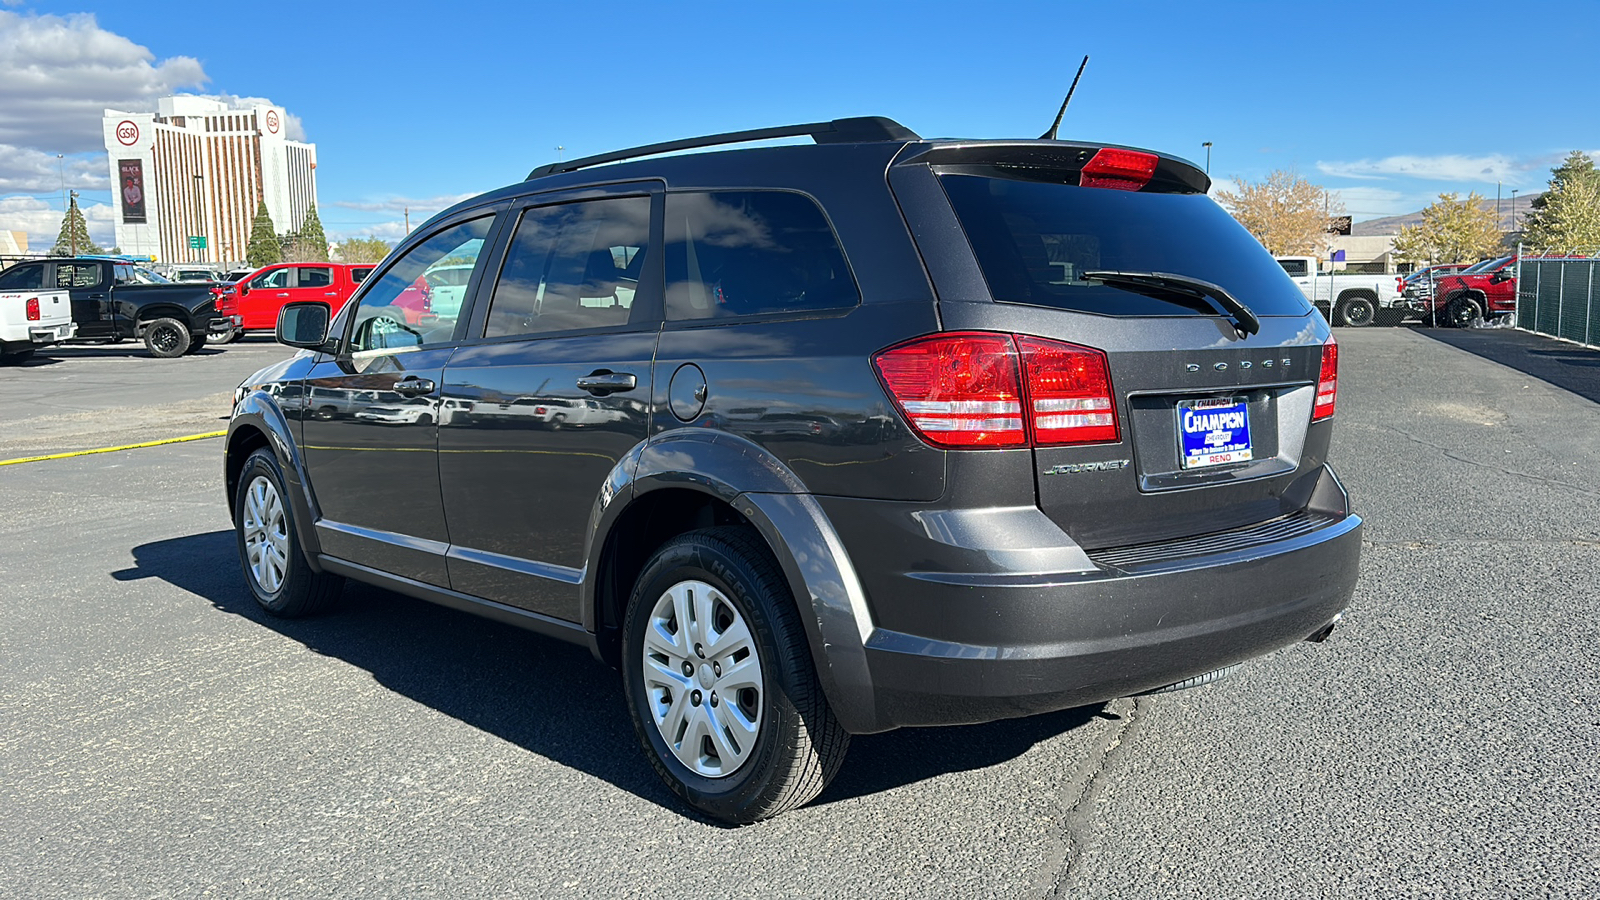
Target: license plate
point(1214, 431)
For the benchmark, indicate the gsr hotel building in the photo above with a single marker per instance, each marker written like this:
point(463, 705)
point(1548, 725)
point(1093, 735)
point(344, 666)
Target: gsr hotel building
point(198, 167)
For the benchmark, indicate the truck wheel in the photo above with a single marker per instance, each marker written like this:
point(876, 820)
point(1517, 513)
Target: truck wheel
point(1356, 312)
point(16, 357)
point(1461, 312)
point(277, 572)
point(224, 337)
point(719, 680)
point(196, 344)
point(166, 338)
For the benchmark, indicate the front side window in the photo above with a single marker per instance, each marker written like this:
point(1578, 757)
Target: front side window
point(739, 253)
point(77, 275)
point(23, 278)
point(571, 267)
point(273, 280)
point(397, 311)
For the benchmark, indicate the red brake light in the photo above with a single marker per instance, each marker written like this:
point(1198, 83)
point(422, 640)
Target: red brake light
point(975, 389)
point(957, 389)
point(33, 309)
point(1327, 382)
point(1119, 170)
point(1069, 393)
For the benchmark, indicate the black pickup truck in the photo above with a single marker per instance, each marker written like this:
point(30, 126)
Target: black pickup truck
point(113, 299)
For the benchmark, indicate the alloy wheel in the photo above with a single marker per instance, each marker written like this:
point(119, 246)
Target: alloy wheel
point(266, 535)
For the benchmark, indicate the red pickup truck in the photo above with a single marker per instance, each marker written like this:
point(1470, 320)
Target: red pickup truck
point(252, 304)
point(1486, 289)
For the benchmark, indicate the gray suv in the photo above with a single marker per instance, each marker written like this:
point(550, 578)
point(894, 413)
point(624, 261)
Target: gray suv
point(882, 432)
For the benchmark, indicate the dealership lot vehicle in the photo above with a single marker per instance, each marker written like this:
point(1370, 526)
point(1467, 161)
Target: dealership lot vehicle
point(1045, 464)
point(253, 303)
point(33, 319)
point(1486, 289)
point(113, 300)
point(1348, 299)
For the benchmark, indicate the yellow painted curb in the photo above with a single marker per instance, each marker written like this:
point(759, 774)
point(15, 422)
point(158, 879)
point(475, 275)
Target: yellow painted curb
point(176, 440)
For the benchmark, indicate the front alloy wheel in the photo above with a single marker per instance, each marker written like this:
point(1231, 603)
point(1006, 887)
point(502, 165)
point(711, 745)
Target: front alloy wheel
point(703, 674)
point(266, 535)
point(275, 568)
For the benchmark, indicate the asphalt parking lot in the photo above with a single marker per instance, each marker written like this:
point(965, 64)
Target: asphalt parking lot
point(160, 737)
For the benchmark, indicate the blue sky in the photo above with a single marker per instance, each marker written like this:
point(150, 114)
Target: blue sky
point(415, 106)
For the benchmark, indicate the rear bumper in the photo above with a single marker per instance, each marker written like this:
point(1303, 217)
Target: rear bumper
point(52, 334)
point(975, 646)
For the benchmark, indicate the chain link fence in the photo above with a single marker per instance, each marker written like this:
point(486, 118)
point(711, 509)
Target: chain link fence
point(1560, 297)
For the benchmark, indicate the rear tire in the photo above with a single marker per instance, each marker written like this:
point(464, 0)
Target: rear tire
point(279, 577)
point(223, 337)
point(196, 344)
point(719, 680)
point(166, 338)
point(16, 357)
point(1356, 312)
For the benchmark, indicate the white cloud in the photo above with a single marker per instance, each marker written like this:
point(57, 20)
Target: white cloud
point(294, 128)
point(388, 215)
point(59, 74)
point(27, 171)
point(42, 222)
point(424, 206)
point(1375, 202)
point(1469, 169)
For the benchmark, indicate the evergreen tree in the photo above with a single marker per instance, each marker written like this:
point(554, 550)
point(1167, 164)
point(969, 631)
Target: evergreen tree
point(74, 237)
point(1567, 218)
point(313, 242)
point(264, 249)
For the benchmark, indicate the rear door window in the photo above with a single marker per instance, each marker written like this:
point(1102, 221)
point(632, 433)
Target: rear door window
point(1035, 238)
point(77, 275)
point(23, 278)
point(740, 253)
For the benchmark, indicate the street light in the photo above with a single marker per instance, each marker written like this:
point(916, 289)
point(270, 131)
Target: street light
point(1513, 210)
point(1207, 145)
point(61, 166)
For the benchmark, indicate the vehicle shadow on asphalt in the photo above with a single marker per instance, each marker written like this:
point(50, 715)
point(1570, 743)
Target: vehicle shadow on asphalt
point(546, 696)
point(1564, 365)
point(126, 348)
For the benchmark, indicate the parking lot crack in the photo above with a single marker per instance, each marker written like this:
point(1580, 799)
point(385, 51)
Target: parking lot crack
point(1084, 791)
point(1451, 454)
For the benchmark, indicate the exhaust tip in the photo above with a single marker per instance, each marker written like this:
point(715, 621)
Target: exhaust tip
point(1321, 634)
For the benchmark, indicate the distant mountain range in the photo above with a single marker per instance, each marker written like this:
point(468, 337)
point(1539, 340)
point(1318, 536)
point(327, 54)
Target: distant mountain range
point(1393, 224)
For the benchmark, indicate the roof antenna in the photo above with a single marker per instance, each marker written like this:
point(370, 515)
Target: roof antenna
point(1051, 134)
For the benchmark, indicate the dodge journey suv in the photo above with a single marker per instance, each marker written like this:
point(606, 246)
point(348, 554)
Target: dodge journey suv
point(880, 431)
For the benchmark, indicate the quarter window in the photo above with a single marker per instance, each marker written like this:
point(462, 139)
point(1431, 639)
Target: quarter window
point(737, 253)
point(570, 267)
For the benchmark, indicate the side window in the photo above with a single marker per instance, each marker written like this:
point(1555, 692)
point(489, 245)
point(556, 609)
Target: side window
point(1295, 267)
point(358, 275)
point(123, 274)
point(572, 266)
point(399, 310)
point(315, 276)
point(23, 278)
point(273, 280)
point(737, 253)
point(77, 275)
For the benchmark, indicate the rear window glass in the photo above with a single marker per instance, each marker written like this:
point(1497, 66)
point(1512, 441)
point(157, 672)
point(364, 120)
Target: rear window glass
point(1035, 239)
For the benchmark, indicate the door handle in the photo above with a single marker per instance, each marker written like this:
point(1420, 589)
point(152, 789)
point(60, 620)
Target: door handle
point(604, 381)
point(331, 294)
point(412, 386)
point(97, 296)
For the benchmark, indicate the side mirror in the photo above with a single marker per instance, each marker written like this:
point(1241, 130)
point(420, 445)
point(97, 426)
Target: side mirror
point(304, 324)
point(244, 288)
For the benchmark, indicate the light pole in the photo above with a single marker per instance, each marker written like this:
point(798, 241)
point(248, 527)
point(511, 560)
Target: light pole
point(1207, 145)
point(199, 216)
point(1513, 210)
point(61, 167)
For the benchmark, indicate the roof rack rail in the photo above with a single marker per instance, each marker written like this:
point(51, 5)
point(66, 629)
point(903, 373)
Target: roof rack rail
point(839, 131)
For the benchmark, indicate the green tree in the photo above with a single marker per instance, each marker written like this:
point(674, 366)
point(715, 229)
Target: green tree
point(74, 237)
point(311, 244)
point(1567, 218)
point(264, 249)
point(363, 250)
point(1452, 230)
point(1286, 213)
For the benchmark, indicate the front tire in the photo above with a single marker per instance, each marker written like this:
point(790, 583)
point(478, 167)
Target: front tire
point(1461, 312)
point(17, 357)
point(1356, 312)
point(166, 338)
point(269, 551)
point(224, 337)
point(196, 344)
point(720, 684)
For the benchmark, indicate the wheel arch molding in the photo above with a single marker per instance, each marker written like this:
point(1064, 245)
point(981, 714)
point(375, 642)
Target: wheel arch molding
point(259, 422)
point(691, 478)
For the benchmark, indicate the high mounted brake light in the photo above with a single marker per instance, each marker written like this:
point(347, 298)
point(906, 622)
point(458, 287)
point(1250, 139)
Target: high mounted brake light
point(967, 390)
point(1118, 169)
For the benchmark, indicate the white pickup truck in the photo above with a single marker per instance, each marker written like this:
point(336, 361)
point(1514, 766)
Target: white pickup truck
point(1353, 299)
point(33, 319)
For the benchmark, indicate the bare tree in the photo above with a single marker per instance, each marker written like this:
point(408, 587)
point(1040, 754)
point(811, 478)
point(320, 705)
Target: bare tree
point(1452, 230)
point(1287, 214)
point(363, 250)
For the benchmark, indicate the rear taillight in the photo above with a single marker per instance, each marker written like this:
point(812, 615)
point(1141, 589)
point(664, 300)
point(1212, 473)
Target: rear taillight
point(1118, 169)
point(977, 389)
point(1327, 382)
point(33, 309)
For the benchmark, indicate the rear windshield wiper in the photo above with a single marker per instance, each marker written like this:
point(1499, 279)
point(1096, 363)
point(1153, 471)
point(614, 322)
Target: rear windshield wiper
point(1246, 319)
